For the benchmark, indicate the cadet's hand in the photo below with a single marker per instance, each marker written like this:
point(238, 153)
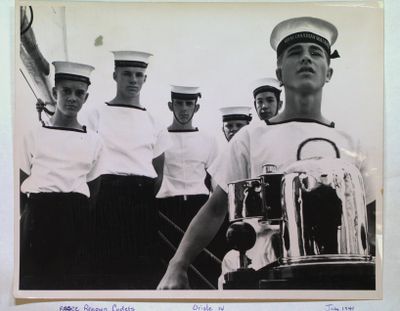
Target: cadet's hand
point(40, 105)
point(175, 278)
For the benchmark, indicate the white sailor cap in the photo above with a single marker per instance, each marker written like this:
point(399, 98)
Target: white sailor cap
point(131, 59)
point(234, 113)
point(304, 29)
point(266, 85)
point(72, 71)
point(185, 92)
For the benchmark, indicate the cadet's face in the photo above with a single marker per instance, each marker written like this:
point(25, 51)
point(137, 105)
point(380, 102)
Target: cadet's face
point(232, 127)
point(184, 109)
point(305, 67)
point(266, 105)
point(70, 95)
point(129, 80)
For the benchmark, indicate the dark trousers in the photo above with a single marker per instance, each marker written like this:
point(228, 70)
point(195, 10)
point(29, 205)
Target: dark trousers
point(176, 213)
point(54, 239)
point(126, 225)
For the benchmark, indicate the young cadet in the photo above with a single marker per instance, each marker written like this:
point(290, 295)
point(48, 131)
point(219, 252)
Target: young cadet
point(233, 119)
point(183, 190)
point(303, 48)
point(131, 161)
point(59, 160)
point(267, 97)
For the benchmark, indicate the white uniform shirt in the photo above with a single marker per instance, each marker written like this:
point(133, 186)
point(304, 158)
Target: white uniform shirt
point(186, 161)
point(277, 144)
point(131, 137)
point(59, 160)
point(258, 144)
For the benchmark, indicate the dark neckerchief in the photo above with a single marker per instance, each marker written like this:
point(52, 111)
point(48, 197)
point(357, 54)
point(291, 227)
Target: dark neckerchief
point(125, 106)
point(332, 124)
point(83, 130)
point(184, 131)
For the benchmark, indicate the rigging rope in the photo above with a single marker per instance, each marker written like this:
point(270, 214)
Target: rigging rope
point(30, 22)
point(215, 258)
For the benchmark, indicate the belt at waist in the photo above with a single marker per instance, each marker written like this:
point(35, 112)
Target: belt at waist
point(186, 197)
point(56, 195)
point(127, 178)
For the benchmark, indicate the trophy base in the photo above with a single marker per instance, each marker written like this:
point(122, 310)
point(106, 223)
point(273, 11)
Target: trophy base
point(317, 275)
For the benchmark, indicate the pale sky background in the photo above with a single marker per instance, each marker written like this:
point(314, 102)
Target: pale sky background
point(220, 47)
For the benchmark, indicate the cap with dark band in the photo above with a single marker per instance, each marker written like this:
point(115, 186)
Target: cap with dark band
point(236, 113)
point(72, 71)
point(266, 85)
point(304, 29)
point(131, 59)
point(185, 92)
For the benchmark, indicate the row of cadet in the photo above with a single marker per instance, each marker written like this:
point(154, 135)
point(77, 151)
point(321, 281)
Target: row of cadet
point(120, 158)
point(89, 215)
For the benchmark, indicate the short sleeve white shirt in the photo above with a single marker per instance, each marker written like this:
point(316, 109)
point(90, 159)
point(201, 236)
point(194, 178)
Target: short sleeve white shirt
point(59, 159)
point(186, 162)
point(132, 139)
point(258, 144)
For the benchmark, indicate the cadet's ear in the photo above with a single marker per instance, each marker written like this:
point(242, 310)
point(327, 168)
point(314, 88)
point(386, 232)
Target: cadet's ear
point(196, 108)
point(145, 78)
point(114, 76)
point(170, 106)
point(278, 73)
point(280, 105)
point(54, 92)
point(329, 75)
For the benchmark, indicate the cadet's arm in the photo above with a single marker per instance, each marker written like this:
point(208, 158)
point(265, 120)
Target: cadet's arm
point(199, 234)
point(209, 182)
point(22, 177)
point(158, 164)
point(94, 188)
point(22, 196)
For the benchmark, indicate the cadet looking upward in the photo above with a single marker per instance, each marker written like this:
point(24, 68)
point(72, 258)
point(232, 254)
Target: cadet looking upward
point(303, 48)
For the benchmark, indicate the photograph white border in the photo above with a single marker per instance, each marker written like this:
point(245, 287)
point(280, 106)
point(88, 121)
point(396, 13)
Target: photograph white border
point(207, 295)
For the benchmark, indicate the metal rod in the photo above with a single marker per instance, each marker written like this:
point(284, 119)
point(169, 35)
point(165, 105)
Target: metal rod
point(205, 250)
point(28, 84)
point(39, 111)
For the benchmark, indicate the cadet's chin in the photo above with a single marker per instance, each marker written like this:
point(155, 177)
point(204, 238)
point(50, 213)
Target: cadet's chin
point(183, 120)
point(132, 92)
point(70, 114)
point(265, 116)
point(309, 87)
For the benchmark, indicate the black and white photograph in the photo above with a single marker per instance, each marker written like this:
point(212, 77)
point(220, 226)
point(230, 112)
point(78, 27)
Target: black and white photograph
point(169, 150)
